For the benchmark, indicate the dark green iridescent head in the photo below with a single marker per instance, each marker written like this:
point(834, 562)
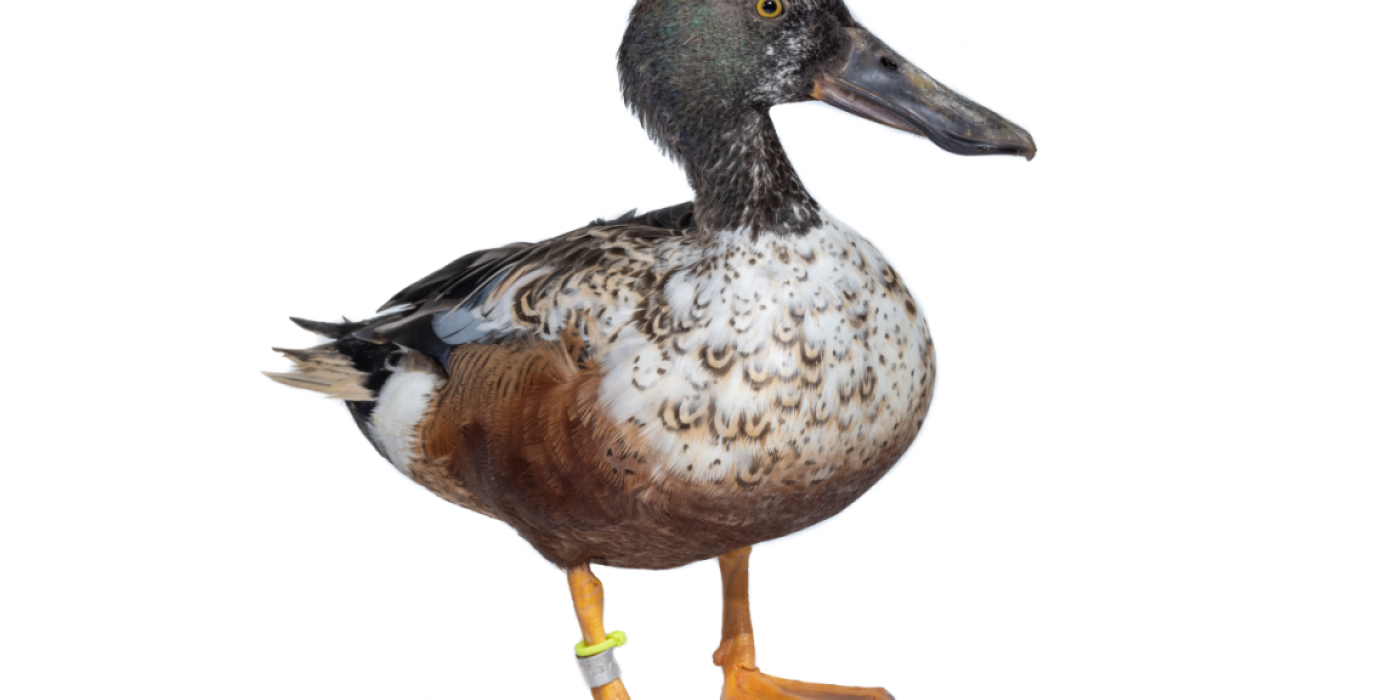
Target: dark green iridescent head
point(702, 74)
point(717, 57)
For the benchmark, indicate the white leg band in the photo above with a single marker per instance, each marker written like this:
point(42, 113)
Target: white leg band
point(599, 670)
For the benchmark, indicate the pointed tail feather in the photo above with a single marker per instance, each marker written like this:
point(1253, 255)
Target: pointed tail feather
point(335, 331)
point(326, 370)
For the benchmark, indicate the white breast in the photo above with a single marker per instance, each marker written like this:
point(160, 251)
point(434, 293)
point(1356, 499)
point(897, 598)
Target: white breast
point(722, 384)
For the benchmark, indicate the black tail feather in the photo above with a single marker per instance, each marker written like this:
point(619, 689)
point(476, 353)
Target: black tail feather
point(331, 329)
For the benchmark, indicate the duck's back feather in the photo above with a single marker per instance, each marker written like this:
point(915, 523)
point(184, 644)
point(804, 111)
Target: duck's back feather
point(442, 311)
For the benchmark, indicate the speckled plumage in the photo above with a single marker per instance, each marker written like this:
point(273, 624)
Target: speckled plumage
point(790, 373)
point(665, 388)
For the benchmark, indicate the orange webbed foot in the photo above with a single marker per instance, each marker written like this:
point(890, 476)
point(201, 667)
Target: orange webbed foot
point(753, 685)
point(743, 680)
point(744, 683)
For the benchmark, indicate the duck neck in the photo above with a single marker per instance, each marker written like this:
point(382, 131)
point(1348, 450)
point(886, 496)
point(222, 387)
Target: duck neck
point(743, 179)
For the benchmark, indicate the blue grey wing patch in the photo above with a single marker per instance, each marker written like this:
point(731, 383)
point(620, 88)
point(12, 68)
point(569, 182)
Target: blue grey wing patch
point(466, 322)
point(464, 302)
point(441, 310)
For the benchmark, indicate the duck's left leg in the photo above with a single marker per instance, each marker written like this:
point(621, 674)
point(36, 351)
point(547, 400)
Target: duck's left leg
point(587, 592)
point(742, 679)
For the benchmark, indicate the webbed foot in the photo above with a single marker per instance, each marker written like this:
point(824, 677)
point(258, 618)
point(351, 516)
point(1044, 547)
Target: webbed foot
point(742, 679)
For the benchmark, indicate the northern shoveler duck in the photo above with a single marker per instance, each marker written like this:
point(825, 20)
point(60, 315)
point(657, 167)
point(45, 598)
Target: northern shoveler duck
point(679, 385)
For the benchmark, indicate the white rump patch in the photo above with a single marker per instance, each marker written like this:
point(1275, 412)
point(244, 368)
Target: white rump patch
point(402, 404)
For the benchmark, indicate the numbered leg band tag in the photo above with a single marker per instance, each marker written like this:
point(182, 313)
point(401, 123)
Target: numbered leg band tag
point(600, 669)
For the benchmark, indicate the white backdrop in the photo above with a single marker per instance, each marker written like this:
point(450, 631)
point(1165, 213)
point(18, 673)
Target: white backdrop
point(1162, 460)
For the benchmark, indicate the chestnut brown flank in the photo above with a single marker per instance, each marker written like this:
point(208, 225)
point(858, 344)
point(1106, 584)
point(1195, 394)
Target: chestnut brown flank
point(517, 434)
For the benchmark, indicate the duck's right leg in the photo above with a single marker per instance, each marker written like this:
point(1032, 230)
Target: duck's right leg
point(742, 679)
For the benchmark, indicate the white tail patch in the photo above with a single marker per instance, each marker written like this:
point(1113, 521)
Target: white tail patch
point(403, 403)
point(325, 370)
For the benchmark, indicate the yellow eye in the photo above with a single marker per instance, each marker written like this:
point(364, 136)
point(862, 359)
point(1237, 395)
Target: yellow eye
point(770, 8)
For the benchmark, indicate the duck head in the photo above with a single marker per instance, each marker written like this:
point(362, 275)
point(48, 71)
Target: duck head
point(701, 75)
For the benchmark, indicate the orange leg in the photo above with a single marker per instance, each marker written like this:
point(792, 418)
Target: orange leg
point(742, 680)
point(587, 591)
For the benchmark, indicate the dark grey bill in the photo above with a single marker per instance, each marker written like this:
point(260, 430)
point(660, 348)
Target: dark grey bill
point(876, 83)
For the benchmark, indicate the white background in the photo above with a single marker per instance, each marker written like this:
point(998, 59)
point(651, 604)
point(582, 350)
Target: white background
point(1163, 460)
